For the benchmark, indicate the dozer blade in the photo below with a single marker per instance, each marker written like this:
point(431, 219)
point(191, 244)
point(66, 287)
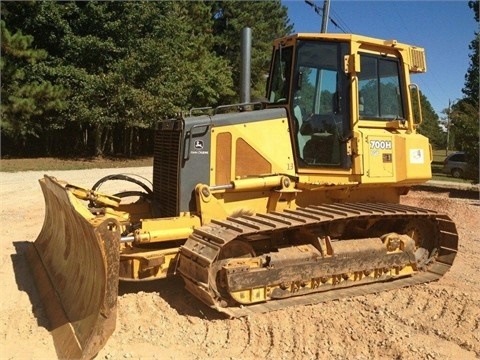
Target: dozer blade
point(75, 263)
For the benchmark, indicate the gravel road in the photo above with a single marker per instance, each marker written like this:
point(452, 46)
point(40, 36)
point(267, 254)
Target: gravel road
point(161, 320)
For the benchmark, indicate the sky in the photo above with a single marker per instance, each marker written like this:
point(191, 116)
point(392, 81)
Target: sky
point(444, 28)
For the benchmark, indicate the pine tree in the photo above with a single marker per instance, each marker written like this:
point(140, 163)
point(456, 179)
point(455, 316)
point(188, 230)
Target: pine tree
point(26, 99)
point(465, 113)
point(430, 126)
point(267, 19)
point(471, 87)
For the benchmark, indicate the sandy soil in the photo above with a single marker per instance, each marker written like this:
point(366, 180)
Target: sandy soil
point(161, 320)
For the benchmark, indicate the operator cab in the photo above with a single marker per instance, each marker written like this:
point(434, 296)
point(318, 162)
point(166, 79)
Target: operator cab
point(325, 102)
point(318, 98)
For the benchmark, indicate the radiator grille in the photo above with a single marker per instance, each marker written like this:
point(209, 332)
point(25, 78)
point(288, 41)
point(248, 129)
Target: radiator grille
point(166, 168)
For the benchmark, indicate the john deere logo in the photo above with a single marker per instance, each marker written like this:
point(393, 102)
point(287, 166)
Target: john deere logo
point(198, 144)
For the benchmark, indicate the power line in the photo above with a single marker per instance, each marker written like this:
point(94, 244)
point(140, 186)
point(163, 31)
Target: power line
point(325, 13)
point(343, 24)
point(335, 24)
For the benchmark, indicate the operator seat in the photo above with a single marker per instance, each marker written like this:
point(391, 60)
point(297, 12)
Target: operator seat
point(323, 147)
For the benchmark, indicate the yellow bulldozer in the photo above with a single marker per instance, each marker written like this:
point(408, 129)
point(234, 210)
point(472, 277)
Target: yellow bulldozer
point(258, 206)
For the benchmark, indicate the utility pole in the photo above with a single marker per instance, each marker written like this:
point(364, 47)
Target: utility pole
point(325, 13)
point(326, 10)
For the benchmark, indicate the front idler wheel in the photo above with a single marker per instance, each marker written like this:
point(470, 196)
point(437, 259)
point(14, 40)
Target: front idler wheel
point(235, 249)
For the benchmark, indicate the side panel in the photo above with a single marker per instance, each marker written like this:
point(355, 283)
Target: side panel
point(418, 158)
point(258, 144)
point(394, 157)
point(214, 150)
point(195, 159)
point(250, 149)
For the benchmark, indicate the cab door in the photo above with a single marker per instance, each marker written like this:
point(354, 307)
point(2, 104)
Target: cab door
point(320, 105)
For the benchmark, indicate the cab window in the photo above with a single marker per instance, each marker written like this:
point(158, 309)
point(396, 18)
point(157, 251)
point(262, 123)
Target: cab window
point(320, 105)
point(280, 83)
point(380, 97)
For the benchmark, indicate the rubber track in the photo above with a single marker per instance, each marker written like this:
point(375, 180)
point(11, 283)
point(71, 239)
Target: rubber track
point(203, 246)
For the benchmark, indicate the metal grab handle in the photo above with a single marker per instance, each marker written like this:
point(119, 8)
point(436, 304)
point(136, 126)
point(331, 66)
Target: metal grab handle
point(188, 145)
point(414, 87)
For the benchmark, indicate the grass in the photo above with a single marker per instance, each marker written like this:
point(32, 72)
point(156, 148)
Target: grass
point(45, 164)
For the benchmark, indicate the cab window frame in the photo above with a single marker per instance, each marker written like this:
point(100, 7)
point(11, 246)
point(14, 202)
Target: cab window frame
point(377, 85)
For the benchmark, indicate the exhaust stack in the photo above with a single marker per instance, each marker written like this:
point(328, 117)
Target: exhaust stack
point(245, 71)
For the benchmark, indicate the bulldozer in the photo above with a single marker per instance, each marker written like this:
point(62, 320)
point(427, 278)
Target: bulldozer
point(257, 206)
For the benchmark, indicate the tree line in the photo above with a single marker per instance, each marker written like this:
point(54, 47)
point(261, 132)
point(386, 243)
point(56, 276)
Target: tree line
point(464, 114)
point(92, 78)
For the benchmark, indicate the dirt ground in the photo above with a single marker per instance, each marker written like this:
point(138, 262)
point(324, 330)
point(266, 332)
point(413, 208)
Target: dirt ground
point(160, 320)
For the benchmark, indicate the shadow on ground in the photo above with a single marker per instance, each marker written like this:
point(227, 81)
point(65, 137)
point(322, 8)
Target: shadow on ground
point(173, 291)
point(25, 282)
